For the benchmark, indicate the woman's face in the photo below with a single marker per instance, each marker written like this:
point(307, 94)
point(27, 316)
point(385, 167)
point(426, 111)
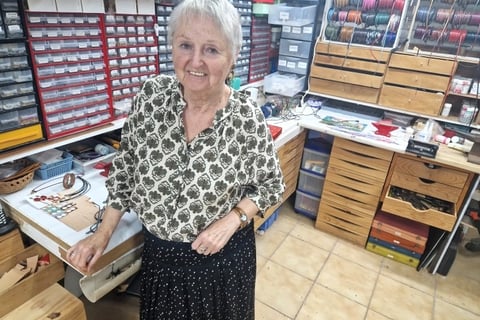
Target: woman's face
point(201, 55)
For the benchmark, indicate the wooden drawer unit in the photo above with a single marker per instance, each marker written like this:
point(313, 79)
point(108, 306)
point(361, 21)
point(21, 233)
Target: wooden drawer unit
point(425, 178)
point(415, 83)
point(290, 156)
point(22, 291)
point(353, 185)
point(348, 71)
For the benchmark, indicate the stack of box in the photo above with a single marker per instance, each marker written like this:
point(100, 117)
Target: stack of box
point(398, 238)
point(296, 43)
point(316, 154)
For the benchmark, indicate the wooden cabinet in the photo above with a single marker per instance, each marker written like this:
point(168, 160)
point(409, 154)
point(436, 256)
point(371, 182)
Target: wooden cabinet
point(351, 192)
point(413, 184)
point(38, 295)
point(290, 155)
point(416, 84)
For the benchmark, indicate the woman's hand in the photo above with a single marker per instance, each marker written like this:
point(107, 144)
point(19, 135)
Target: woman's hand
point(86, 252)
point(215, 236)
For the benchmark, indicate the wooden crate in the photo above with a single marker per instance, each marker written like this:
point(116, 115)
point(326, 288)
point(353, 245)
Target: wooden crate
point(10, 244)
point(55, 302)
point(353, 186)
point(416, 83)
point(348, 72)
point(31, 285)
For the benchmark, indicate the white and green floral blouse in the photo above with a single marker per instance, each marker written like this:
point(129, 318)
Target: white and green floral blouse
point(179, 188)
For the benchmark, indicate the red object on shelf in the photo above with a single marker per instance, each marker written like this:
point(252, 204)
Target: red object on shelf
point(384, 128)
point(275, 130)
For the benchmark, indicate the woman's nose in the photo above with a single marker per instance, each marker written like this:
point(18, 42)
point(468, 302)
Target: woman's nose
point(197, 57)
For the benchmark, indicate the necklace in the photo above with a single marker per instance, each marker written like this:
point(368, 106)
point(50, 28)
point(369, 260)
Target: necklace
point(68, 180)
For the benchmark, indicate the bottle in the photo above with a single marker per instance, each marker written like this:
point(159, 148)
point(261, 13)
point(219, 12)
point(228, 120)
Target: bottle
point(446, 109)
point(442, 139)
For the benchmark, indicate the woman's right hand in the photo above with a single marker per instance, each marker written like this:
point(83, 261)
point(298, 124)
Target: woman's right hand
point(86, 252)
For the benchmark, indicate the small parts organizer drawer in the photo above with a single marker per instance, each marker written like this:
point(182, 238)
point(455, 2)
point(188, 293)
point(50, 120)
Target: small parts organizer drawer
point(425, 191)
point(353, 186)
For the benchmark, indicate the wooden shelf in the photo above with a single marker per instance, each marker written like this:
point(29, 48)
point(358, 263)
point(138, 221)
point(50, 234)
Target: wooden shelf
point(37, 147)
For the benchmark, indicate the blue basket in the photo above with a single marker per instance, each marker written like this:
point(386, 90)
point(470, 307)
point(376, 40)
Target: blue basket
point(47, 171)
point(268, 223)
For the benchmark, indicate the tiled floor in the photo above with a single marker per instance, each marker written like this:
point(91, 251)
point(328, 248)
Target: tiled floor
point(304, 273)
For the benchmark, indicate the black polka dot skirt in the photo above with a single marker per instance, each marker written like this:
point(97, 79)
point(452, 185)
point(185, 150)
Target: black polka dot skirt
point(180, 284)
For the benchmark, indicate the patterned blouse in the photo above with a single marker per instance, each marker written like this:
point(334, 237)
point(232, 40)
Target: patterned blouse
point(179, 188)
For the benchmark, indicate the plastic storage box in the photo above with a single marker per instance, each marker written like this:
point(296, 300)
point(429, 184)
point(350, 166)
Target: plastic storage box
point(315, 161)
point(47, 171)
point(306, 204)
point(298, 33)
point(291, 15)
point(296, 48)
point(286, 84)
point(310, 183)
point(293, 64)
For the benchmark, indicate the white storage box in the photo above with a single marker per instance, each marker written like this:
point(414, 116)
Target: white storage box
point(298, 33)
point(286, 84)
point(310, 183)
point(291, 15)
point(306, 204)
point(315, 161)
point(297, 48)
point(293, 64)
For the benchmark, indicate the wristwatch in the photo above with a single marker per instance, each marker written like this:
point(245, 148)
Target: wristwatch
point(243, 217)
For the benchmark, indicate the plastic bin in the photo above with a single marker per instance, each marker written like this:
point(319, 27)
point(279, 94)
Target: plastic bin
point(315, 161)
point(291, 15)
point(310, 183)
point(306, 204)
point(268, 223)
point(47, 171)
point(296, 48)
point(286, 84)
point(298, 33)
point(293, 64)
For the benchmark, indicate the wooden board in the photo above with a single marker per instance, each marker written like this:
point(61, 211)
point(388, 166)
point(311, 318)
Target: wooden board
point(11, 243)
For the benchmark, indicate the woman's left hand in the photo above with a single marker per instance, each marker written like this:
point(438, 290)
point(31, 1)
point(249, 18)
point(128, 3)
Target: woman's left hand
point(215, 236)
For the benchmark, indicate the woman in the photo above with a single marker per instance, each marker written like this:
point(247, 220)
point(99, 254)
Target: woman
point(196, 163)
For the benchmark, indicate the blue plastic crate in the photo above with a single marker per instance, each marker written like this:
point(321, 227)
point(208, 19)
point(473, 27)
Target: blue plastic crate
point(47, 171)
point(268, 223)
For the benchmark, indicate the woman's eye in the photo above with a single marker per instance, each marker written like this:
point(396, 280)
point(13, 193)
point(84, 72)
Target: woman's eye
point(211, 51)
point(185, 46)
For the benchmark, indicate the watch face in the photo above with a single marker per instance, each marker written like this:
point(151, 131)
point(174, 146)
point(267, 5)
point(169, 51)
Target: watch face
point(244, 218)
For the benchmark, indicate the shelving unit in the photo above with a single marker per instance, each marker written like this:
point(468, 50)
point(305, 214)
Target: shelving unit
point(67, 56)
point(19, 114)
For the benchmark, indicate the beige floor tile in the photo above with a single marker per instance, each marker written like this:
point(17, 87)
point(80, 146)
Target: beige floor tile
point(372, 315)
point(465, 263)
point(269, 242)
point(325, 304)
point(348, 279)
point(358, 254)
point(264, 312)
point(261, 261)
point(314, 236)
point(460, 291)
point(284, 223)
point(447, 311)
point(281, 289)
point(399, 301)
point(300, 257)
point(421, 280)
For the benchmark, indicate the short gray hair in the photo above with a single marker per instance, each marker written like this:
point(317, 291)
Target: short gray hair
point(221, 12)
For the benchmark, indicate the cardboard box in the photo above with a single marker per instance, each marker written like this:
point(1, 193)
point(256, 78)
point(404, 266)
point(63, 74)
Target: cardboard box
point(146, 6)
point(93, 6)
point(42, 5)
point(125, 6)
point(69, 5)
